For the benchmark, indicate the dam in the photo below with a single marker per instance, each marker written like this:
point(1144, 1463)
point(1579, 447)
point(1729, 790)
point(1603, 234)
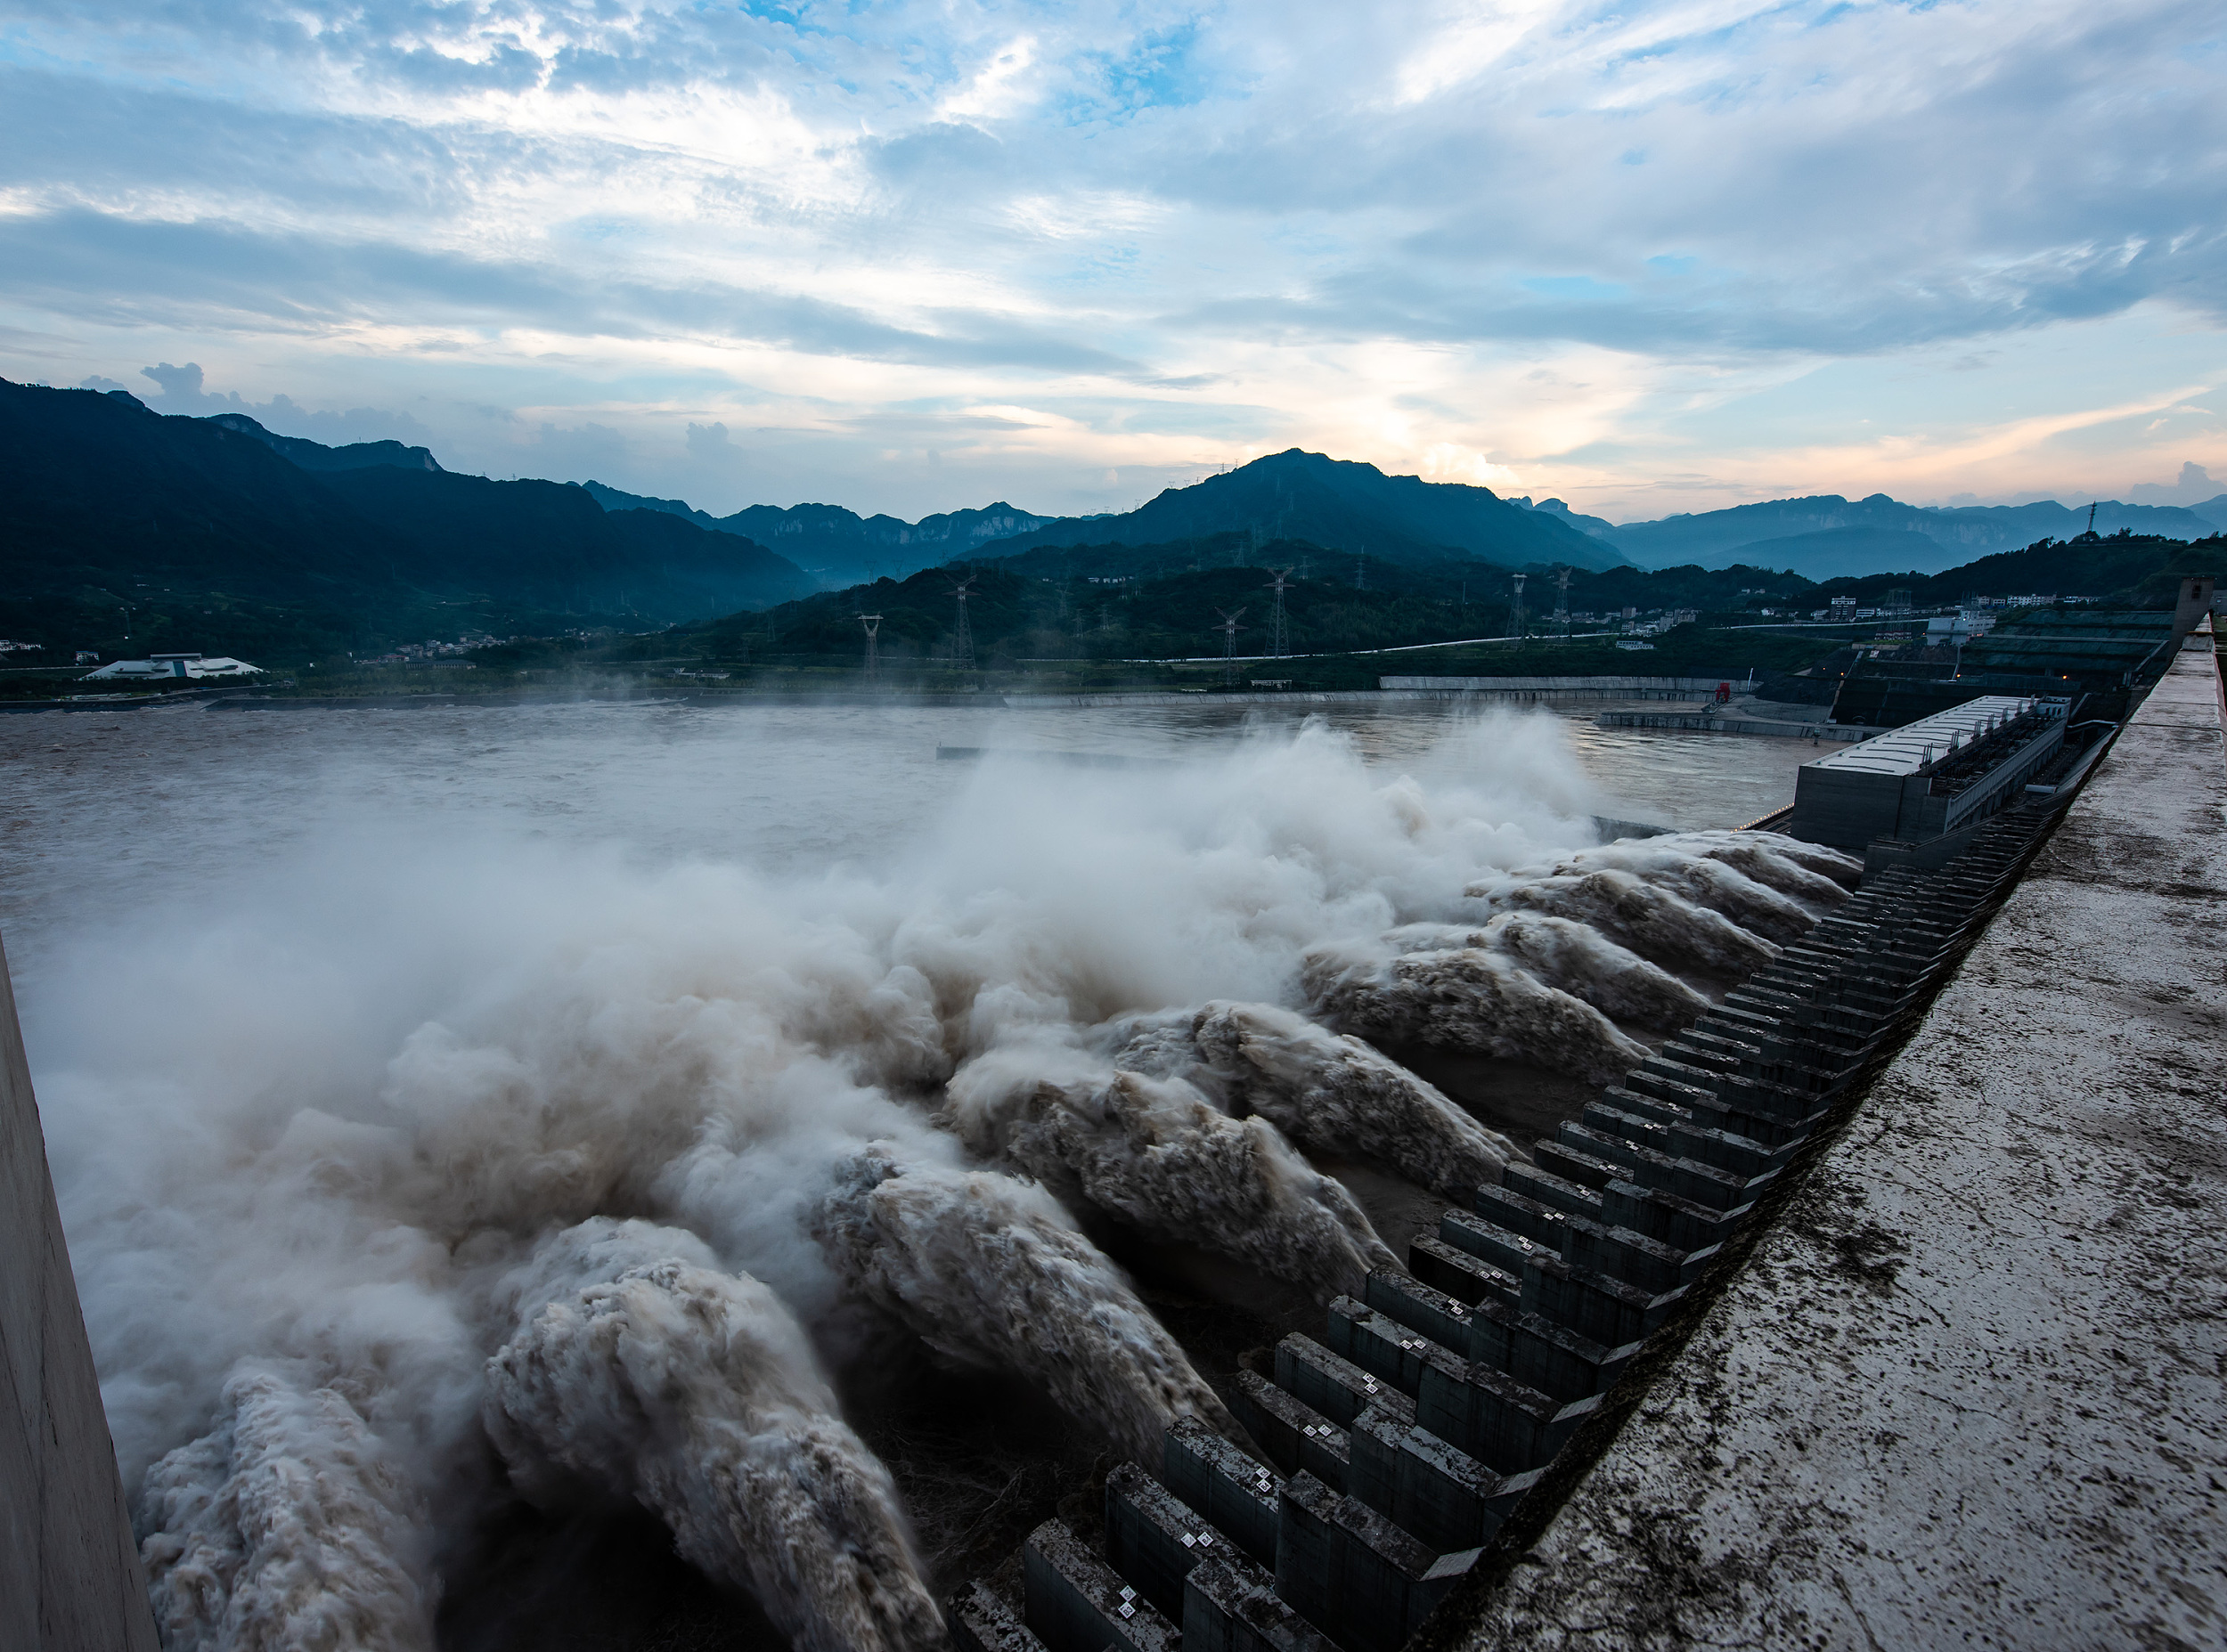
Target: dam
point(1809, 1332)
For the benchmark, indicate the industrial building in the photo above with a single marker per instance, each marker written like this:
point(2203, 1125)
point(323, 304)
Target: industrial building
point(1939, 775)
point(2101, 658)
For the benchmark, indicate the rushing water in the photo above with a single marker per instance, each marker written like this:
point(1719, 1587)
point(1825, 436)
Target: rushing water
point(604, 1085)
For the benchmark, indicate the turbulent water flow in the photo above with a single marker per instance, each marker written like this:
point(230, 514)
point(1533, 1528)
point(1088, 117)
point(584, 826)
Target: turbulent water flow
point(644, 1370)
point(991, 1273)
point(416, 1140)
point(285, 1527)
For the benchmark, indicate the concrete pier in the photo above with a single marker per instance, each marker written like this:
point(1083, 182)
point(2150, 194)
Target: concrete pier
point(1971, 1388)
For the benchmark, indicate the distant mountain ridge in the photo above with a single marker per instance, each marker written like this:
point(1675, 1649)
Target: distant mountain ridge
point(1341, 505)
point(840, 545)
point(1825, 536)
point(188, 532)
point(316, 456)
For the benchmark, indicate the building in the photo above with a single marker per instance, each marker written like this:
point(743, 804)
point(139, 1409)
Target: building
point(1935, 776)
point(162, 666)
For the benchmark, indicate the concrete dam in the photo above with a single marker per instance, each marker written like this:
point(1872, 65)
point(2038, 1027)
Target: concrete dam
point(1875, 1305)
point(1814, 1331)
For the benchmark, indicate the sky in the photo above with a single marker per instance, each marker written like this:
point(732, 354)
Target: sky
point(913, 257)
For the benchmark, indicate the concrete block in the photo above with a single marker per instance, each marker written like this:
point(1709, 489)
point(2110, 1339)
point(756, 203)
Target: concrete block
point(982, 1623)
point(1546, 1190)
point(1417, 1305)
point(1238, 1495)
point(1230, 1605)
point(1507, 1425)
point(1386, 1582)
point(1510, 1209)
point(1681, 1224)
point(1076, 1603)
point(1574, 1163)
point(1296, 1438)
point(1592, 1303)
point(1152, 1537)
point(1437, 1493)
point(1383, 1346)
point(1466, 1277)
point(1632, 1257)
point(1541, 1354)
point(1329, 1382)
point(1307, 1549)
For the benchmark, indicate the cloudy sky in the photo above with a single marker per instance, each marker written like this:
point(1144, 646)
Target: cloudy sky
point(909, 257)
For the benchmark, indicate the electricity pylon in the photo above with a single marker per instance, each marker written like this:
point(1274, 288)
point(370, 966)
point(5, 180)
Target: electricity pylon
point(873, 625)
point(1229, 629)
point(1562, 600)
point(1279, 639)
point(1516, 616)
point(962, 634)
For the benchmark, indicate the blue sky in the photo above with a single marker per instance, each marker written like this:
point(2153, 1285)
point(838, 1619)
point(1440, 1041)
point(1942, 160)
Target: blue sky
point(912, 257)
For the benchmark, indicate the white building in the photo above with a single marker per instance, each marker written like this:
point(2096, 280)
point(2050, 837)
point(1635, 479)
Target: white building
point(172, 665)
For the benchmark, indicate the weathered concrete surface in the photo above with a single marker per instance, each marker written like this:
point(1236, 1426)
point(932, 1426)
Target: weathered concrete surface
point(1972, 1391)
point(69, 1574)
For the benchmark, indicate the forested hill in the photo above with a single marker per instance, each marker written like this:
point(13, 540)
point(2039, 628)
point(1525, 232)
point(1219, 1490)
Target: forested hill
point(1343, 507)
point(194, 533)
point(1166, 601)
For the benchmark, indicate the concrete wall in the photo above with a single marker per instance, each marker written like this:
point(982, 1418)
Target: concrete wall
point(69, 1574)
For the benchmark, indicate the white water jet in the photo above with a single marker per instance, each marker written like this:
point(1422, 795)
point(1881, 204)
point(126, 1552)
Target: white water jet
point(287, 1527)
point(1658, 924)
point(1330, 1093)
point(1468, 998)
point(1574, 957)
point(649, 1373)
point(1155, 1154)
point(991, 1273)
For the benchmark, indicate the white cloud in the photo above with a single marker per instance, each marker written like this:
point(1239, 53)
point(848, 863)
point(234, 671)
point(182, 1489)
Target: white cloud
point(1578, 245)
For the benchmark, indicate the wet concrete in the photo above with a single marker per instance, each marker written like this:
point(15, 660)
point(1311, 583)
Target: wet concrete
point(1972, 1389)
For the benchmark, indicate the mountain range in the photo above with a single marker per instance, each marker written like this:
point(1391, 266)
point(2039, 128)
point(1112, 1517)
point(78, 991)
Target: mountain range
point(1828, 537)
point(839, 546)
point(118, 524)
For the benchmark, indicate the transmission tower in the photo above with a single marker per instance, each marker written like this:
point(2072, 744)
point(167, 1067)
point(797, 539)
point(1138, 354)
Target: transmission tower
point(1516, 616)
point(1229, 629)
point(873, 625)
point(1279, 639)
point(1562, 601)
point(962, 634)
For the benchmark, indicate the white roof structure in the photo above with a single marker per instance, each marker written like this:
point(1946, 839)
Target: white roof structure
point(173, 665)
point(1911, 747)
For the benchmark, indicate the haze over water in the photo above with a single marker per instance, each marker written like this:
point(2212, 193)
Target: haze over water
point(117, 815)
